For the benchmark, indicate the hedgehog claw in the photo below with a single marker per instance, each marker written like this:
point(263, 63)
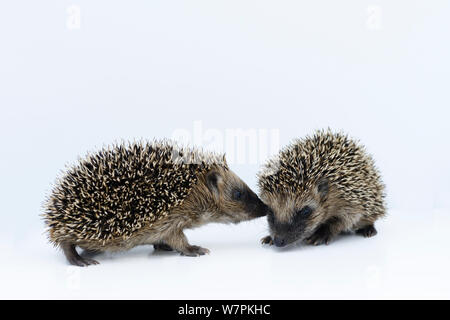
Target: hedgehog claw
point(322, 235)
point(82, 262)
point(368, 231)
point(318, 239)
point(267, 240)
point(88, 261)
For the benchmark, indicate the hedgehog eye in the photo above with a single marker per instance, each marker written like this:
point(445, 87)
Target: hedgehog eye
point(305, 211)
point(237, 195)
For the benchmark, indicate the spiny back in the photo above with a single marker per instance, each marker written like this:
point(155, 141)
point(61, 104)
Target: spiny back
point(345, 163)
point(120, 189)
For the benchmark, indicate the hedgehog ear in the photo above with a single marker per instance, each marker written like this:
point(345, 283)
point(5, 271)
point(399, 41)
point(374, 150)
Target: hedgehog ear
point(322, 187)
point(213, 180)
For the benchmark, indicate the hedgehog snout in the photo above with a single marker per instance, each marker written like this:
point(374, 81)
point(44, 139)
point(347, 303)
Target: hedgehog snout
point(261, 209)
point(285, 233)
point(279, 241)
point(255, 207)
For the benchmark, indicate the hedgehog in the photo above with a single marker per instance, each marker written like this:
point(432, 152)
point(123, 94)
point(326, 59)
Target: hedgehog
point(145, 192)
point(318, 187)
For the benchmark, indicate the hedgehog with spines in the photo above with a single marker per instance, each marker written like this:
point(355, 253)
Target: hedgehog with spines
point(137, 193)
point(319, 187)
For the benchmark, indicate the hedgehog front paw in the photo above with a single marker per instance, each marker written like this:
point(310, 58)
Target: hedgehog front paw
point(368, 231)
point(194, 251)
point(267, 240)
point(321, 236)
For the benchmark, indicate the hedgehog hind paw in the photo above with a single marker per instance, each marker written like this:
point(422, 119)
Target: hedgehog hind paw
point(74, 258)
point(83, 262)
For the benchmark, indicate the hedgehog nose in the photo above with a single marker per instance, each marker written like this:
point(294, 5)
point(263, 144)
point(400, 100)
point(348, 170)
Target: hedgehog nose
point(279, 242)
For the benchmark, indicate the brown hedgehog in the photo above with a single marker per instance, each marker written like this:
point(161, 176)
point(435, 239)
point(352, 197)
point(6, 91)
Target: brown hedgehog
point(144, 193)
point(318, 187)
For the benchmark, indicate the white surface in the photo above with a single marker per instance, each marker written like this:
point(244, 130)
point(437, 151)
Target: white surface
point(149, 68)
point(405, 260)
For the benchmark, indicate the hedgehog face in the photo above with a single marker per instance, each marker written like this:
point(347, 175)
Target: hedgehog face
point(234, 201)
point(293, 218)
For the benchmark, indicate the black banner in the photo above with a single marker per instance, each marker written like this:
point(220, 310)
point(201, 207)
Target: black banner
point(226, 309)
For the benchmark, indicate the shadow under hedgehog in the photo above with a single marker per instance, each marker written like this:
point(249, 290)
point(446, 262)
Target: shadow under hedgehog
point(138, 193)
point(318, 187)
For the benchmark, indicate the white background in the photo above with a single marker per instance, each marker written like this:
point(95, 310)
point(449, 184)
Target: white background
point(378, 70)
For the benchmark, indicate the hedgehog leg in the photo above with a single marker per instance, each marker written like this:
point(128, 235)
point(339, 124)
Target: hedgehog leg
point(73, 257)
point(325, 232)
point(90, 253)
point(179, 242)
point(367, 231)
point(320, 236)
